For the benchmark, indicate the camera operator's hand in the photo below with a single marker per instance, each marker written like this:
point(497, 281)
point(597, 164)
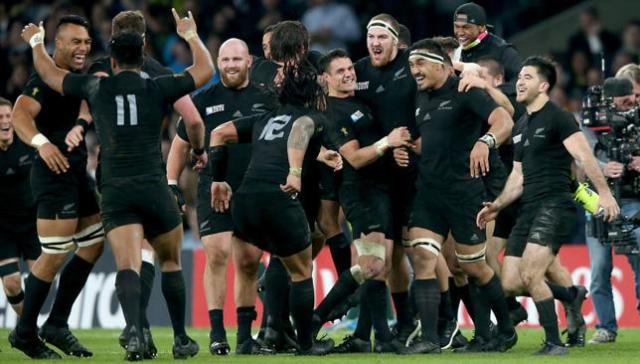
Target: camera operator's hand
point(609, 205)
point(613, 169)
point(635, 164)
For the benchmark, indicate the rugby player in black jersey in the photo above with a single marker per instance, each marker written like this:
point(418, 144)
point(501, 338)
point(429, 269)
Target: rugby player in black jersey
point(386, 86)
point(234, 97)
point(18, 235)
point(547, 141)
point(453, 157)
point(133, 21)
point(364, 197)
point(136, 201)
point(265, 209)
point(67, 214)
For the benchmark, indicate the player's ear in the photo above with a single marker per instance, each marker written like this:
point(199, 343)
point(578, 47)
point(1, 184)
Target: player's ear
point(544, 86)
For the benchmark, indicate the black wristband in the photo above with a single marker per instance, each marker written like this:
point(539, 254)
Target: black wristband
point(198, 151)
point(218, 162)
point(83, 123)
point(179, 196)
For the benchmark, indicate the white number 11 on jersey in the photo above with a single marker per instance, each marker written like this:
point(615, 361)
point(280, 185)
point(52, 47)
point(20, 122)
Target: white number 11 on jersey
point(133, 110)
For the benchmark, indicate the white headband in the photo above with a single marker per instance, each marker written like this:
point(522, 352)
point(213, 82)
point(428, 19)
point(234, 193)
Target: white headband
point(431, 57)
point(383, 25)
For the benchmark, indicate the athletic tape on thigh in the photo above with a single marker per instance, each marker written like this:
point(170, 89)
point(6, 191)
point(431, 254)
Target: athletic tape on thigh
point(56, 244)
point(472, 258)
point(406, 243)
point(8, 269)
point(90, 235)
point(357, 273)
point(429, 244)
point(147, 256)
point(365, 247)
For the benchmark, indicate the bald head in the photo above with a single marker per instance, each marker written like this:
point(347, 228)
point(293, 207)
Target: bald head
point(234, 62)
point(234, 46)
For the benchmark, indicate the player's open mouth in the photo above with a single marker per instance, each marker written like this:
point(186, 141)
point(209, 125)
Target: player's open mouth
point(419, 78)
point(79, 58)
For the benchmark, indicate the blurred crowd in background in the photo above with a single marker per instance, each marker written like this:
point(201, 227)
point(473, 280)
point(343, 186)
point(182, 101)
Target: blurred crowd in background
point(331, 23)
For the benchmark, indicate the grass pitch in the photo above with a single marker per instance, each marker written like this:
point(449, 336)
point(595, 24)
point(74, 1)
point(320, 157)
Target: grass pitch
point(104, 344)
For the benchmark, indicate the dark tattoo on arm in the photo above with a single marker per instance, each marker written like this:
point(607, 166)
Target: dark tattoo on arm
point(301, 133)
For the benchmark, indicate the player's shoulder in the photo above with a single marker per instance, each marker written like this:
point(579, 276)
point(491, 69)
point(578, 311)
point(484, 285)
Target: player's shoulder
point(362, 64)
point(102, 64)
point(154, 68)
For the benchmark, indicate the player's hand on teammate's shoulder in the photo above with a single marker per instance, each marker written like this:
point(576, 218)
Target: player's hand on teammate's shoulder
point(471, 81)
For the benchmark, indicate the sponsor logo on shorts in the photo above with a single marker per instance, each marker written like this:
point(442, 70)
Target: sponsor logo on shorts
point(68, 206)
point(237, 114)
point(475, 238)
point(535, 235)
point(214, 109)
point(204, 225)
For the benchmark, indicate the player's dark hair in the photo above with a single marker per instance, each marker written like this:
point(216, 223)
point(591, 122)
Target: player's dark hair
point(404, 34)
point(432, 46)
point(300, 86)
point(126, 49)
point(448, 43)
point(545, 68)
point(269, 28)
point(5, 102)
point(128, 21)
point(72, 19)
point(289, 42)
point(324, 63)
point(492, 64)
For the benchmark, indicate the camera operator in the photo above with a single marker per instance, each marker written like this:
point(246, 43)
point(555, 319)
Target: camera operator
point(620, 89)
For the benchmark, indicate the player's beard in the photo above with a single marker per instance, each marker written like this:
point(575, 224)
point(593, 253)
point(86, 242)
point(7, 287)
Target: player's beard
point(236, 80)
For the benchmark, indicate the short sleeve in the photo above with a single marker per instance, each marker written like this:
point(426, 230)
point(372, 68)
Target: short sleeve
point(102, 65)
point(79, 85)
point(479, 102)
point(341, 132)
point(244, 127)
point(181, 130)
point(175, 86)
point(565, 125)
point(34, 88)
point(518, 138)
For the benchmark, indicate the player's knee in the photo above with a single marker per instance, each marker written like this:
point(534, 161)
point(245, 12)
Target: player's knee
point(217, 257)
point(528, 277)
point(12, 285)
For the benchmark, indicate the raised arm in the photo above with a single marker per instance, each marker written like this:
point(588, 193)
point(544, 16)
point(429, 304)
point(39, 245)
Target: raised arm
point(202, 68)
point(469, 81)
point(51, 74)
